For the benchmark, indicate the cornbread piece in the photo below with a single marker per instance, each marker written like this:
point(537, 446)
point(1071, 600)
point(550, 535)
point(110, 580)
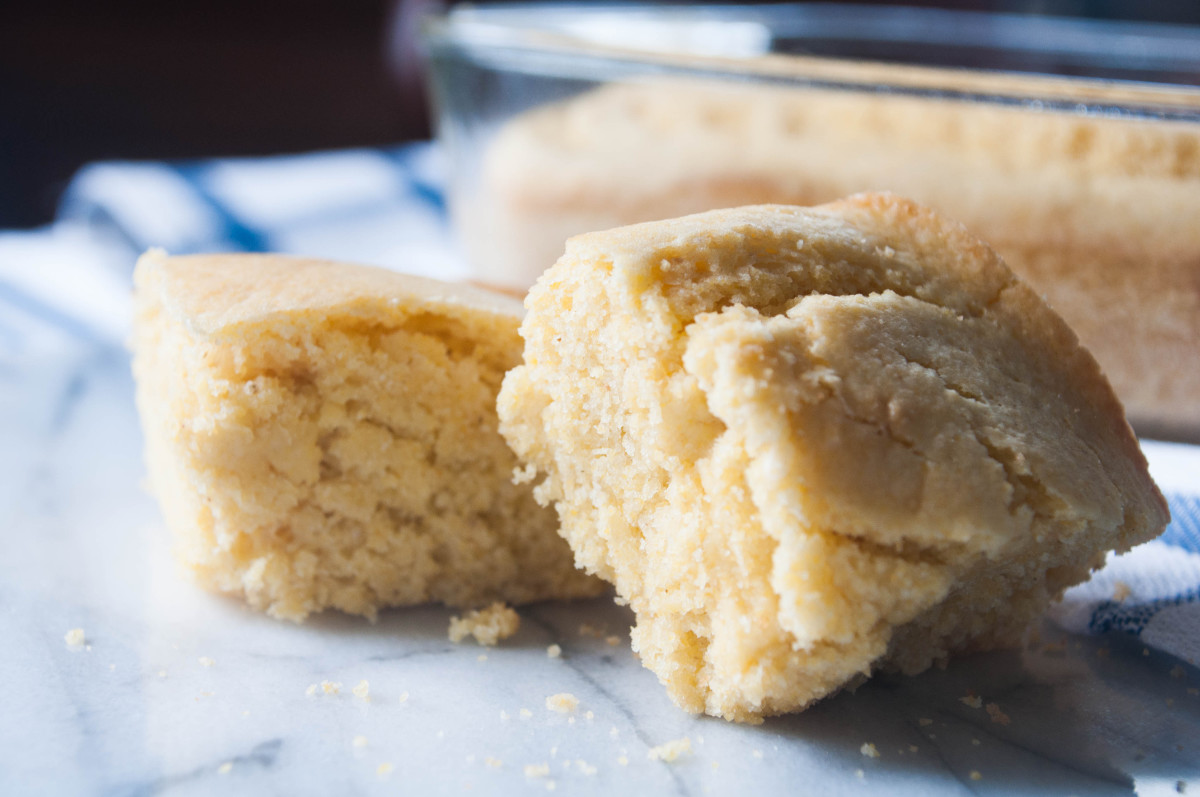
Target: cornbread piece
point(805, 443)
point(324, 436)
point(1097, 213)
point(488, 626)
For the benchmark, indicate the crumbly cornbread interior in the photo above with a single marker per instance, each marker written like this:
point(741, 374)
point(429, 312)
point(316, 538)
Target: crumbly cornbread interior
point(321, 435)
point(805, 443)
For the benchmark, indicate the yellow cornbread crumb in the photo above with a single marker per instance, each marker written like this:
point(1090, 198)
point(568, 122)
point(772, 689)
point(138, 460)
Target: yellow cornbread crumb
point(563, 703)
point(869, 750)
point(1121, 592)
point(670, 751)
point(537, 770)
point(384, 769)
point(493, 763)
point(799, 465)
point(971, 701)
point(553, 651)
point(525, 713)
point(997, 714)
point(322, 435)
point(976, 775)
point(360, 741)
point(488, 626)
point(205, 661)
point(362, 690)
point(225, 768)
point(75, 638)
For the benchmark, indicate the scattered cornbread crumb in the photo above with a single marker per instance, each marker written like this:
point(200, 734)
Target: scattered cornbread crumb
point(551, 785)
point(75, 638)
point(716, 765)
point(757, 754)
point(360, 741)
point(613, 732)
point(482, 657)
point(112, 667)
point(162, 673)
point(589, 716)
point(584, 767)
point(971, 701)
point(587, 629)
point(670, 751)
point(362, 690)
point(554, 751)
point(537, 770)
point(869, 750)
point(570, 720)
point(1170, 702)
point(998, 716)
point(525, 713)
point(975, 775)
point(924, 722)
point(402, 698)
point(1145, 651)
point(1177, 671)
point(504, 716)
point(494, 763)
point(225, 768)
point(858, 773)
point(912, 748)
point(246, 713)
point(623, 760)
point(563, 703)
point(488, 626)
point(384, 769)
point(553, 651)
point(613, 640)
point(975, 742)
point(1121, 592)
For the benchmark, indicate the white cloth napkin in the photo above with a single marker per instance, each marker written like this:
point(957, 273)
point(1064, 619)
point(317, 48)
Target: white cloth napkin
point(68, 285)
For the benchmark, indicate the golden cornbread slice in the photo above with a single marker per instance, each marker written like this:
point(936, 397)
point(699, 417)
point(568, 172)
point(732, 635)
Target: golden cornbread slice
point(805, 443)
point(322, 435)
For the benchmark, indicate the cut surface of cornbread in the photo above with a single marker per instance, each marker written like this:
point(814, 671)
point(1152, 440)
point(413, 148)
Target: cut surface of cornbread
point(805, 443)
point(322, 435)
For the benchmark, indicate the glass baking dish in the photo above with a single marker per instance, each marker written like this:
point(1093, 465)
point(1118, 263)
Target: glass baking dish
point(1072, 146)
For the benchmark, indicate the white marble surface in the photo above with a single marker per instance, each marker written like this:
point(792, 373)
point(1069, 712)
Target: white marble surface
point(136, 712)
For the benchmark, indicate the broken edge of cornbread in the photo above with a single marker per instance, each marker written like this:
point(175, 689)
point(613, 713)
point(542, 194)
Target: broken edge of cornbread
point(322, 435)
point(807, 443)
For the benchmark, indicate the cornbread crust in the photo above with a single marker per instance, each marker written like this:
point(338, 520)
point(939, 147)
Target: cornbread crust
point(1097, 213)
point(322, 435)
point(805, 443)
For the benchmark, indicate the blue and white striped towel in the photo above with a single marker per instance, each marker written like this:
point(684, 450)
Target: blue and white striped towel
point(385, 207)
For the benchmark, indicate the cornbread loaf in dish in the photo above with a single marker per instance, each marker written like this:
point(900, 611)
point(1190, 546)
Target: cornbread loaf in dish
point(323, 435)
point(1097, 213)
point(806, 443)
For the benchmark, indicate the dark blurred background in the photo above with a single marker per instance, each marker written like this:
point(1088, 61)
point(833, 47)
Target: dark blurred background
point(83, 81)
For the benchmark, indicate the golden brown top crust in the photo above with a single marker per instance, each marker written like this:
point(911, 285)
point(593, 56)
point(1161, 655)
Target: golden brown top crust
point(215, 293)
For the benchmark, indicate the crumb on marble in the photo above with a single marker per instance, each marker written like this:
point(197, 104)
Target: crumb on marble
point(1145, 651)
point(162, 673)
point(488, 626)
point(589, 716)
point(551, 785)
point(1121, 592)
point(525, 713)
point(670, 751)
point(623, 760)
point(976, 775)
point(924, 722)
point(384, 769)
point(585, 768)
point(563, 703)
point(613, 640)
point(587, 629)
point(971, 701)
point(482, 657)
point(997, 714)
point(858, 773)
point(207, 661)
point(325, 688)
point(403, 698)
point(912, 748)
point(537, 770)
point(1178, 672)
point(75, 638)
point(869, 750)
point(553, 651)
point(362, 690)
point(225, 768)
point(360, 741)
point(493, 763)
point(757, 753)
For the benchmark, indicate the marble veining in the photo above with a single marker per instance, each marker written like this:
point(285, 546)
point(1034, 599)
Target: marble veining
point(178, 692)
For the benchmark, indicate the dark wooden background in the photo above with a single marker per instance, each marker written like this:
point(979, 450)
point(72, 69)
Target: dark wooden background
point(81, 81)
